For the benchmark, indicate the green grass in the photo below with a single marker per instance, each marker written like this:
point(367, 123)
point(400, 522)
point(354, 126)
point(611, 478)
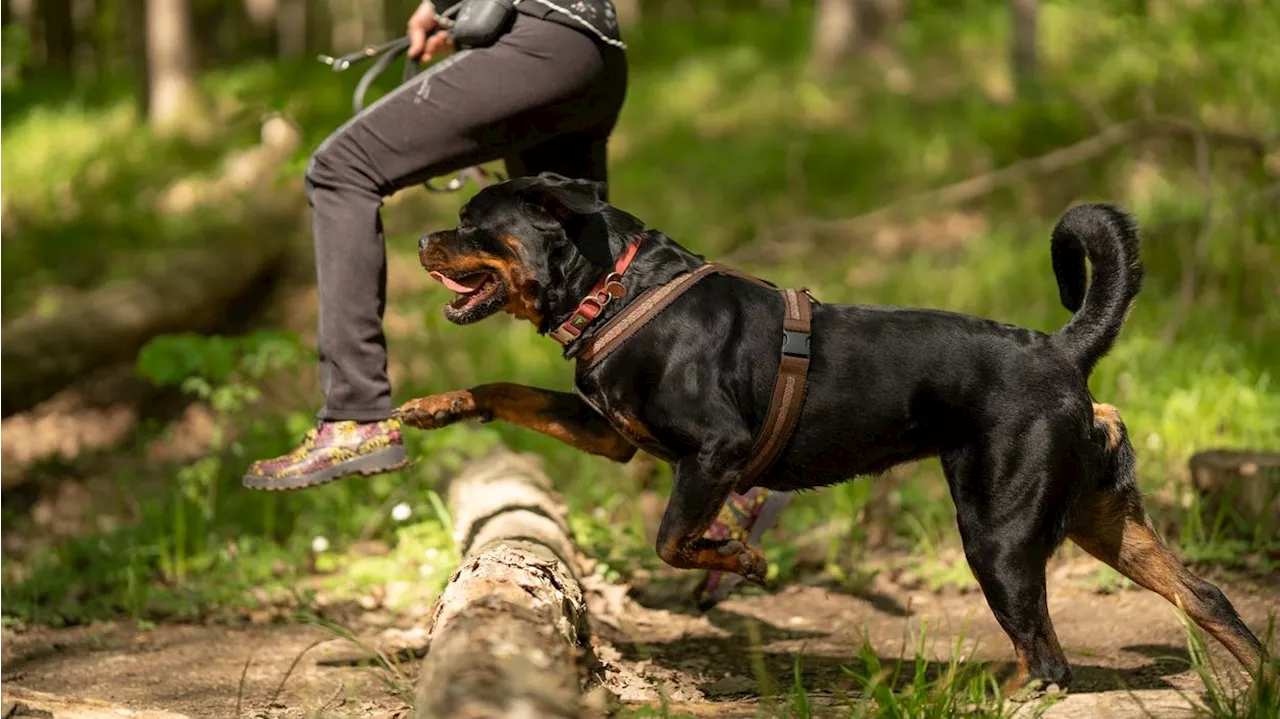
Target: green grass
point(1225, 697)
point(722, 141)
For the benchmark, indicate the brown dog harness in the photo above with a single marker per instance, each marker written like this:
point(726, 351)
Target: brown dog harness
point(789, 386)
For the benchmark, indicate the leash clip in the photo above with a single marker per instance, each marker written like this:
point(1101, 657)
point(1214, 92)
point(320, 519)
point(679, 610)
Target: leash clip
point(337, 63)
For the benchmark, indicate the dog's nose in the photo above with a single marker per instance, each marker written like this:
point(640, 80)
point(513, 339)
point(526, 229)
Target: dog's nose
point(422, 242)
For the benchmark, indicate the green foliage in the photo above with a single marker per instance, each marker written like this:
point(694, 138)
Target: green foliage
point(917, 689)
point(722, 142)
point(1225, 698)
point(15, 52)
point(179, 359)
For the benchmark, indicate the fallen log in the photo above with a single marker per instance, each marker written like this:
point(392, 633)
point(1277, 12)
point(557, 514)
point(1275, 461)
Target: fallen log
point(191, 290)
point(508, 630)
point(20, 702)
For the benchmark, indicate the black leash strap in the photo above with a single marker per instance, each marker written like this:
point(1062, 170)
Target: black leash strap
point(385, 54)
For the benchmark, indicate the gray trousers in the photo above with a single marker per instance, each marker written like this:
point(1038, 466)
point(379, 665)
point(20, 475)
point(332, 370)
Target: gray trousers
point(543, 98)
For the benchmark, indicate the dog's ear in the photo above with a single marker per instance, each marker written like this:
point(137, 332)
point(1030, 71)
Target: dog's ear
point(565, 199)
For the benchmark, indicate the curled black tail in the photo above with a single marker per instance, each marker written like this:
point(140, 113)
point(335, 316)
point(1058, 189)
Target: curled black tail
point(1109, 236)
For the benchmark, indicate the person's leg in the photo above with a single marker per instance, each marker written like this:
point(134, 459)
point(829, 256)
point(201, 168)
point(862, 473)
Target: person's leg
point(539, 81)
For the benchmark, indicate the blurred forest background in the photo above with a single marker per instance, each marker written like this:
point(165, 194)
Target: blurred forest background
point(158, 307)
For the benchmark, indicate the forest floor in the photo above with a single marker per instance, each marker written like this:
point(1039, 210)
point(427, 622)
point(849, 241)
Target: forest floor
point(1127, 648)
point(659, 656)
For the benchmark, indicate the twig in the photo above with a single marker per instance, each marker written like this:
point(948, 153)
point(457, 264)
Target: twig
point(1194, 256)
point(293, 665)
point(341, 686)
point(979, 186)
point(240, 687)
point(1050, 163)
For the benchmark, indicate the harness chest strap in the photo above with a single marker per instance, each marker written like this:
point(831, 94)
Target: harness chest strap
point(789, 387)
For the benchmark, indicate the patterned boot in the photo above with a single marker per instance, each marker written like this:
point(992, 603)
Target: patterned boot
point(744, 517)
point(332, 450)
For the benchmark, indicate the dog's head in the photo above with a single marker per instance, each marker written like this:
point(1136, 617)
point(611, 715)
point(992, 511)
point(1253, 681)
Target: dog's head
point(531, 246)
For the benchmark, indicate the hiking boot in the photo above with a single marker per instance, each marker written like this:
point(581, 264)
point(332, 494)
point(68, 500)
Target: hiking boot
point(332, 450)
point(744, 517)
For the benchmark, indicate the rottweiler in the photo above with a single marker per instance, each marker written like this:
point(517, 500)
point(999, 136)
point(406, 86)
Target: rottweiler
point(1029, 457)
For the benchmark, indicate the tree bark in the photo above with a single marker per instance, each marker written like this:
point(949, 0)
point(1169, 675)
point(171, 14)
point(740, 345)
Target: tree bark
point(291, 28)
point(59, 33)
point(346, 31)
point(835, 28)
point(628, 12)
point(507, 632)
point(1024, 51)
point(879, 21)
point(43, 354)
point(22, 702)
point(170, 65)
point(1247, 482)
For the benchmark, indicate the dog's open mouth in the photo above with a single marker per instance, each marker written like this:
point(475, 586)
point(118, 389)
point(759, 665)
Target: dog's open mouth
point(479, 294)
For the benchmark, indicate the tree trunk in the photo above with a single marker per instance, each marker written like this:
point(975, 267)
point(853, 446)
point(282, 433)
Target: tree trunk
point(507, 631)
point(21, 702)
point(346, 31)
point(1024, 52)
point(171, 69)
point(878, 21)
point(835, 28)
point(1245, 481)
point(373, 22)
point(26, 14)
point(262, 13)
point(85, 51)
point(193, 292)
point(628, 12)
point(291, 28)
point(59, 33)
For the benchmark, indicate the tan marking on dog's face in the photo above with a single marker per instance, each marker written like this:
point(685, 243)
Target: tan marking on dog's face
point(449, 255)
point(1107, 417)
point(522, 302)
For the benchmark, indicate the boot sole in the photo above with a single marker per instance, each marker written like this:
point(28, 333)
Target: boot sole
point(382, 461)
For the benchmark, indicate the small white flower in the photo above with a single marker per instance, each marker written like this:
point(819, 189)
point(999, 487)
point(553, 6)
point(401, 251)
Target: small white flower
point(319, 544)
point(401, 512)
point(431, 553)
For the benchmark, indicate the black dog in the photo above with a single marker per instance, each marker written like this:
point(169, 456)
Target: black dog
point(1029, 457)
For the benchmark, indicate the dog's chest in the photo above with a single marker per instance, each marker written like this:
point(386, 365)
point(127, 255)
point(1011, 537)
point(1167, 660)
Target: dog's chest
point(625, 421)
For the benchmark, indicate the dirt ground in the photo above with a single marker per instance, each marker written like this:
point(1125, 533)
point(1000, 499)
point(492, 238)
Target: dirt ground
point(650, 641)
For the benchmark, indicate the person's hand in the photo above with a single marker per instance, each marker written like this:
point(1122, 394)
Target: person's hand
point(438, 44)
point(426, 40)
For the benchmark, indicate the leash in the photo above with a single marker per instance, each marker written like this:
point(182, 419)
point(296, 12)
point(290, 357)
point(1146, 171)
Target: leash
point(383, 55)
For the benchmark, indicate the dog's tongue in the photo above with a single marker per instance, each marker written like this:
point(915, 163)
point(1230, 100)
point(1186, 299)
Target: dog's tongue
point(468, 286)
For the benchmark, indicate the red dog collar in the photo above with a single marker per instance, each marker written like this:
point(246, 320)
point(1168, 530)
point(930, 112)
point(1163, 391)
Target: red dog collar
point(606, 290)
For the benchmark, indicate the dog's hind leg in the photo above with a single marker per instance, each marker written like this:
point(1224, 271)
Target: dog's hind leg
point(1007, 547)
point(1112, 526)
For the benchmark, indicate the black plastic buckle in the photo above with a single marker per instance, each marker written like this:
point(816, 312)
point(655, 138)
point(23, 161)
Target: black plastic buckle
point(795, 344)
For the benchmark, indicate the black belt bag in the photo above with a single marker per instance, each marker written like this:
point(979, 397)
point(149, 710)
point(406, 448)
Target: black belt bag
point(479, 23)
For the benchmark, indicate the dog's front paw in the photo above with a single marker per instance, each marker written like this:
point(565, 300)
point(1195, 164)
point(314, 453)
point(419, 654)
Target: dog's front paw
point(438, 410)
